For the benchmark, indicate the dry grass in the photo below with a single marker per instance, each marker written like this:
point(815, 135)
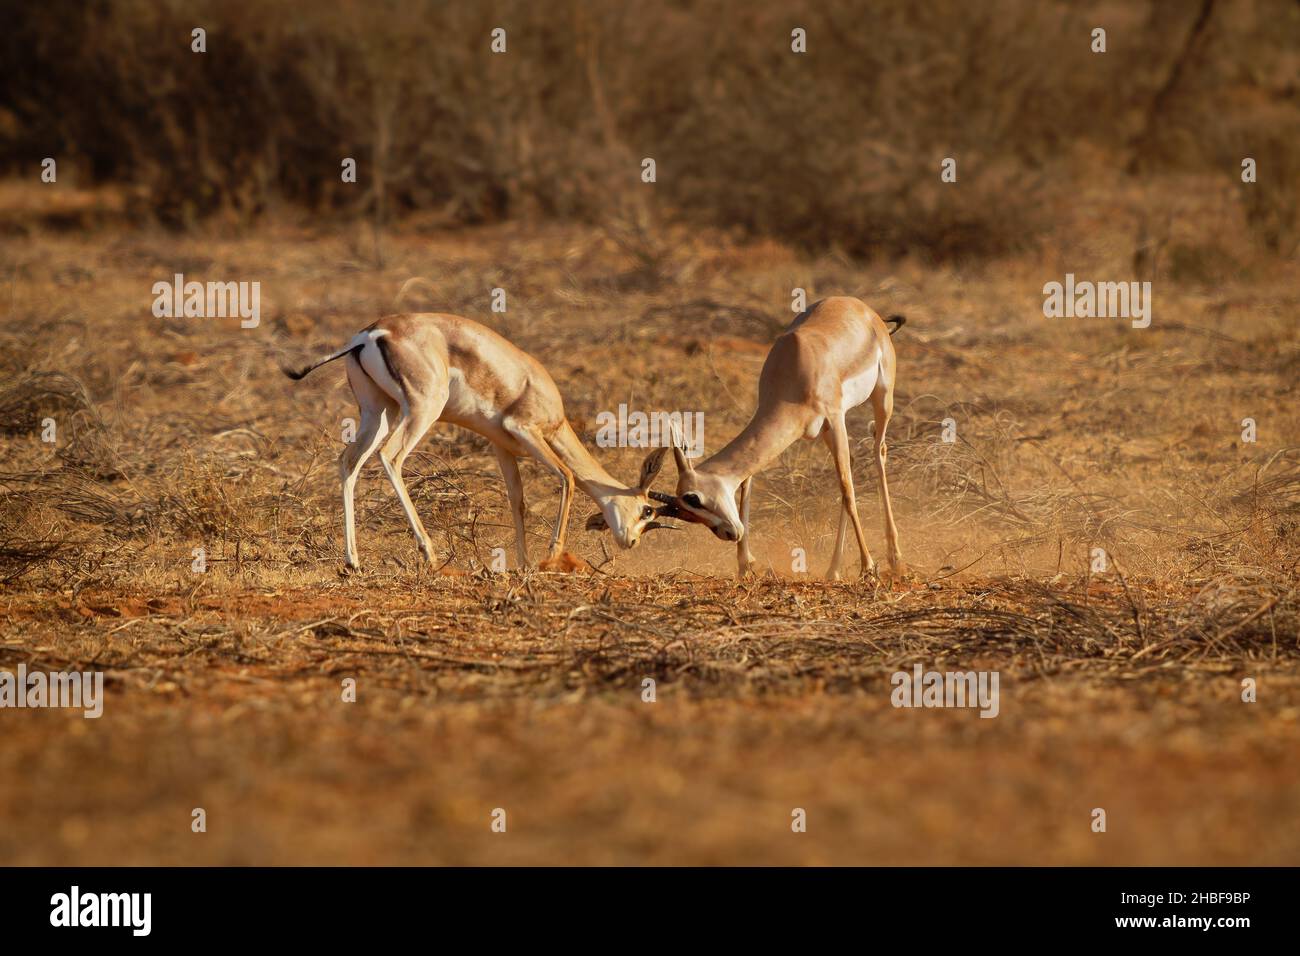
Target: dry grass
point(1120, 689)
point(524, 692)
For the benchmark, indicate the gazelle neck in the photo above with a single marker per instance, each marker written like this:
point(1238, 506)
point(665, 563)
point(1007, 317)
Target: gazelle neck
point(590, 476)
point(771, 431)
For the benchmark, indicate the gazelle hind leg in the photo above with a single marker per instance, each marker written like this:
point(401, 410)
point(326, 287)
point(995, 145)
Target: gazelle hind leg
point(745, 557)
point(420, 408)
point(415, 422)
point(882, 403)
point(376, 410)
point(515, 493)
point(844, 465)
point(537, 446)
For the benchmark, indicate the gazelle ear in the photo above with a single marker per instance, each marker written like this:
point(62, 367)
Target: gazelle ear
point(684, 466)
point(596, 522)
point(683, 463)
point(651, 467)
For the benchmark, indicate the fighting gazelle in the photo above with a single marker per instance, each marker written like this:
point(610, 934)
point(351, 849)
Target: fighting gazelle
point(408, 371)
point(835, 356)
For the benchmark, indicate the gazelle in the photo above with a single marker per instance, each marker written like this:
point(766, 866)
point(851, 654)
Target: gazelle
point(834, 357)
point(408, 371)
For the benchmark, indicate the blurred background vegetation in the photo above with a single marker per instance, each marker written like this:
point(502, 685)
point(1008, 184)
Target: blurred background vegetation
point(838, 149)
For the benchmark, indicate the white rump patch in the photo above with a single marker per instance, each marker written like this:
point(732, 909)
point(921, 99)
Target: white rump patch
point(372, 360)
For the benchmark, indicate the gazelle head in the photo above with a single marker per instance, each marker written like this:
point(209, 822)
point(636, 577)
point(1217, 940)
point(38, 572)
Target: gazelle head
point(704, 498)
point(629, 513)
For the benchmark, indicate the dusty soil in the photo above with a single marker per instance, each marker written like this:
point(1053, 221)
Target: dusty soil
point(1121, 688)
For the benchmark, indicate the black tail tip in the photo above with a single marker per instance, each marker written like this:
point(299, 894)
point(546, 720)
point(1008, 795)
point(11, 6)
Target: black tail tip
point(897, 321)
point(295, 374)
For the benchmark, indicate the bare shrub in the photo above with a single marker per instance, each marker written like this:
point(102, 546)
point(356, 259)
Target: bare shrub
point(840, 147)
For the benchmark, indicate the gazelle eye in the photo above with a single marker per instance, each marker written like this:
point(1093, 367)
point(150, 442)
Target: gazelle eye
point(692, 500)
point(647, 512)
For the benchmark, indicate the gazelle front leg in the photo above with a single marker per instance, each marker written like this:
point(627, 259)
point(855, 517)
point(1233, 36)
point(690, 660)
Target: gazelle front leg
point(839, 439)
point(515, 493)
point(537, 446)
point(834, 573)
point(744, 557)
point(841, 538)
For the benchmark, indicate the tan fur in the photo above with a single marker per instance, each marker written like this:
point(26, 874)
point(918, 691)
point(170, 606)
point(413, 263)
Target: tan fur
point(408, 371)
point(838, 342)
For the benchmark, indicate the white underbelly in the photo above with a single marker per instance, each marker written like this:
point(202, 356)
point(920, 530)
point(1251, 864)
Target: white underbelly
point(468, 409)
point(858, 389)
point(466, 406)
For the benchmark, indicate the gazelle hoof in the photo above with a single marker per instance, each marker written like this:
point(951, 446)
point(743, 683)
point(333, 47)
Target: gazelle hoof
point(565, 563)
